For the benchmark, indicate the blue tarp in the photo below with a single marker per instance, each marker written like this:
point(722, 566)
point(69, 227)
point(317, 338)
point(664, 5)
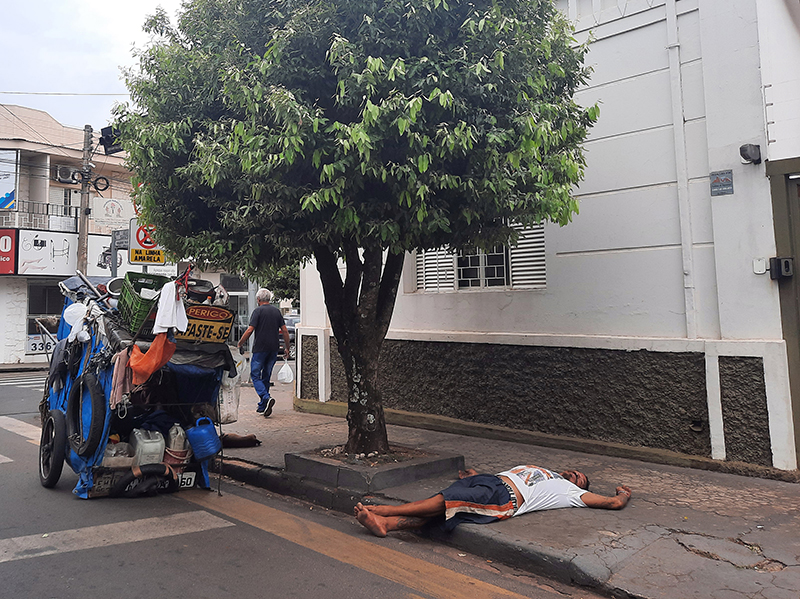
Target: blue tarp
point(82, 465)
point(195, 384)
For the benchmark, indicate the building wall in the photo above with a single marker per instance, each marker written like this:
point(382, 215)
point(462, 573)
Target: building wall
point(778, 24)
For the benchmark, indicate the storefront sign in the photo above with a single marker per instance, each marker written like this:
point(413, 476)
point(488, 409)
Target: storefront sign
point(47, 253)
point(8, 250)
point(8, 179)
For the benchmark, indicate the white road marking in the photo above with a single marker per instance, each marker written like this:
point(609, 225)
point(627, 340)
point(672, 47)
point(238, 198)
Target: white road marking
point(24, 381)
point(4, 459)
point(32, 433)
point(106, 535)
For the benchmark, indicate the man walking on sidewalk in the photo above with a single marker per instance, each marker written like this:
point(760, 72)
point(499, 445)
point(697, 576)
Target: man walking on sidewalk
point(484, 498)
point(266, 321)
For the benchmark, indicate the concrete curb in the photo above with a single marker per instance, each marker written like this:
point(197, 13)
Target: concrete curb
point(568, 568)
point(487, 431)
point(286, 483)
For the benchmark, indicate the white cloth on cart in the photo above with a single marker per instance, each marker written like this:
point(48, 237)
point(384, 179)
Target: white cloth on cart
point(171, 312)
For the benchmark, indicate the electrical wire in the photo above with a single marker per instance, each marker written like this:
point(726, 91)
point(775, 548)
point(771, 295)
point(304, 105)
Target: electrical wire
point(25, 124)
point(59, 94)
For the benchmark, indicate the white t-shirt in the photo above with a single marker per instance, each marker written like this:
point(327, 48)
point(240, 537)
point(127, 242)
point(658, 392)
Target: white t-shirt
point(542, 489)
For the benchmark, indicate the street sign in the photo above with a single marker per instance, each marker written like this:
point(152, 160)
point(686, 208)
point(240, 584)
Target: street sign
point(120, 238)
point(142, 248)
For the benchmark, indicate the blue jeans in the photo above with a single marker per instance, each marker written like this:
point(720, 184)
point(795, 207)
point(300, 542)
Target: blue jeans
point(261, 365)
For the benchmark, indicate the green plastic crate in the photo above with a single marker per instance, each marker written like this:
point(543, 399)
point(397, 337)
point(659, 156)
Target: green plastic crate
point(133, 308)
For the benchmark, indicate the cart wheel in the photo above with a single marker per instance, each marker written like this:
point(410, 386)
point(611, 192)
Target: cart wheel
point(52, 448)
point(74, 420)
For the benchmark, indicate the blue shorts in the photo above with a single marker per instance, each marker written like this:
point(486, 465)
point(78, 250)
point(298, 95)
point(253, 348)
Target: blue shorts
point(478, 499)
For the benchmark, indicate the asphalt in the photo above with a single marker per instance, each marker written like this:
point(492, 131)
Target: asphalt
point(687, 532)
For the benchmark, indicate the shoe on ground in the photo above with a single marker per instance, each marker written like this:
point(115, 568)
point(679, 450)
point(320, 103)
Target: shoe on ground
point(261, 407)
point(270, 404)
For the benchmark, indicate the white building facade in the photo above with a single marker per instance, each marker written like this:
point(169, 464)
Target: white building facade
point(656, 319)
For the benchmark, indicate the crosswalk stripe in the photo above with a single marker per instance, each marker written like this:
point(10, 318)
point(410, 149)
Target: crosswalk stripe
point(106, 535)
point(30, 432)
point(20, 382)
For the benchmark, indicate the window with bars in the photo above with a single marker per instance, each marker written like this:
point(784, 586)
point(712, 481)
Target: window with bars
point(63, 196)
point(515, 267)
point(477, 268)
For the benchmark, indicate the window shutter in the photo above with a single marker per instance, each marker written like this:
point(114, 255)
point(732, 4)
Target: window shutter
point(527, 259)
point(435, 270)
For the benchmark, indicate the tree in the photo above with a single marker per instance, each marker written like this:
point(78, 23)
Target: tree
point(284, 281)
point(354, 131)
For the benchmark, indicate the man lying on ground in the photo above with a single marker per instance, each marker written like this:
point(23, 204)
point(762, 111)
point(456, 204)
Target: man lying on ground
point(484, 498)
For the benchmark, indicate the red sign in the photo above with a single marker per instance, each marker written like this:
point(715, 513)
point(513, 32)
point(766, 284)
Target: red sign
point(208, 313)
point(144, 236)
point(8, 251)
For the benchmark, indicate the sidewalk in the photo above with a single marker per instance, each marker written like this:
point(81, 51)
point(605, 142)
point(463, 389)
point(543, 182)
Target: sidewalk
point(686, 532)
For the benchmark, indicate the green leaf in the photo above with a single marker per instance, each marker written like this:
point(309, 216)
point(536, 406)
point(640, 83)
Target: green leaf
point(422, 162)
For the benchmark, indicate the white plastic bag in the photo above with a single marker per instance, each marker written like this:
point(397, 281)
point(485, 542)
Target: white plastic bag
point(285, 374)
point(229, 391)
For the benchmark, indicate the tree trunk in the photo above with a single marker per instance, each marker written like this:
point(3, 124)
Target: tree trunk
point(365, 418)
point(360, 309)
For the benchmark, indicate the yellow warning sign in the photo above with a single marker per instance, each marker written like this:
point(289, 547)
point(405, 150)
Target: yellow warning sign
point(140, 256)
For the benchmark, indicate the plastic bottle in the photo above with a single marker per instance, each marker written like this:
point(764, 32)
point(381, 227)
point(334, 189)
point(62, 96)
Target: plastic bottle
point(177, 438)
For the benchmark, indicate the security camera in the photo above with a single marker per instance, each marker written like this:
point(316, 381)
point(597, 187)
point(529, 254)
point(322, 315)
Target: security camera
point(750, 153)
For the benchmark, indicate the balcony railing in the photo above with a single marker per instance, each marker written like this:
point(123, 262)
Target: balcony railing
point(47, 209)
point(41, 216)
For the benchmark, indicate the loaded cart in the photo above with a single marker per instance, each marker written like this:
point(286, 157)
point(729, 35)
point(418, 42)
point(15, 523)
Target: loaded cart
point(141, 379)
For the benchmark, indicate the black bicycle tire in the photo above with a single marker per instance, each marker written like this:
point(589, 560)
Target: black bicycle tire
point(80, 445)
point(159, 470)
point(52, 449)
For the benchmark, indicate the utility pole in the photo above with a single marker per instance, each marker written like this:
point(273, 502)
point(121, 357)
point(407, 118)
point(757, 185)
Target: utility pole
point(83, 217)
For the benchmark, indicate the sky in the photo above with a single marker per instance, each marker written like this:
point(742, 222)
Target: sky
point(72, 47)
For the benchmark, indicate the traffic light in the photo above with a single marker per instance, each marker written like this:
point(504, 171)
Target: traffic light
point(109, 139)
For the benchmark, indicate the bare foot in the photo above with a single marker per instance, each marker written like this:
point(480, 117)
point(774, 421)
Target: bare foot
point(369, 520)
point(467, 473)
point(379, 510)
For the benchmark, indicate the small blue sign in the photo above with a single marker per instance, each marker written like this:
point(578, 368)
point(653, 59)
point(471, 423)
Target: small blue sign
point(721, 183)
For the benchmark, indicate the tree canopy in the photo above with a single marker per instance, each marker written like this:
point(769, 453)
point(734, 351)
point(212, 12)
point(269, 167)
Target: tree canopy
point(355, 130)
point(284, 282)
point(262, 125)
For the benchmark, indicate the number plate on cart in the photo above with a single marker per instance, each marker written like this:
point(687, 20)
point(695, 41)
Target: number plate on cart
point(187, 479)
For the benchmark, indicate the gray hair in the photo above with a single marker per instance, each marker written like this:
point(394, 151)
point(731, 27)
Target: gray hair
point(263, 295)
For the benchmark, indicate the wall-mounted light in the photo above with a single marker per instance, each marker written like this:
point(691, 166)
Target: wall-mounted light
point(750, 153)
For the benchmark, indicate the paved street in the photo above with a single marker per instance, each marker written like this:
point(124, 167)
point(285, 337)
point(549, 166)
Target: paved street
point(196, 544)
point(686, 533)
